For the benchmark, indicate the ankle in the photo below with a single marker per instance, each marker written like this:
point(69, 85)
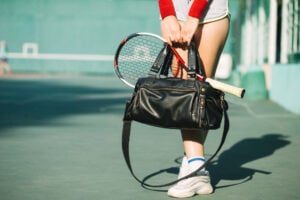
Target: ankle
point(195, 163)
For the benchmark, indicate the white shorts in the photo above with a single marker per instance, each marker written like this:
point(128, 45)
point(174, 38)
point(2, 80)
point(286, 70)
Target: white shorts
point(215, 10)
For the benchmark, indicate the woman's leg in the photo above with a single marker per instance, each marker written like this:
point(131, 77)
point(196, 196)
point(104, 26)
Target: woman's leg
point(210, 39)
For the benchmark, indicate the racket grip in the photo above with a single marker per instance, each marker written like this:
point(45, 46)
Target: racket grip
point(237, 91)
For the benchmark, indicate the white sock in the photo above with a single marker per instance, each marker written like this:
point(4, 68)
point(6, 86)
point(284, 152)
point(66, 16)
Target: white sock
point(196, 162)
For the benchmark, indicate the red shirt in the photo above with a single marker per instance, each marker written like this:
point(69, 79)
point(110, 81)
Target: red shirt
point(166, 8)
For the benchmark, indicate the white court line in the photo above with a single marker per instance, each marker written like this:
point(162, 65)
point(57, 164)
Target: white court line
point(44, 56)
point(88, 57)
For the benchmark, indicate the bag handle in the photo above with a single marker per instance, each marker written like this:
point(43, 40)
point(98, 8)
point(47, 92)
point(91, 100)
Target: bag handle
point(162, 62)
point(194, 61)
point(164, 59)
point(125, 149)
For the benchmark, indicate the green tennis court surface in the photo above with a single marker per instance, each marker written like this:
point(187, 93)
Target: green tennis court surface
point(60, 138)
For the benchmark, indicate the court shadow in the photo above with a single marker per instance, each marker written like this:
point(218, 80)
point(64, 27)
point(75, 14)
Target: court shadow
point(37, 102)
point(229, 164)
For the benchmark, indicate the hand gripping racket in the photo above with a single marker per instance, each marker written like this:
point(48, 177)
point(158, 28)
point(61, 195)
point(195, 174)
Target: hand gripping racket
point(137, 53)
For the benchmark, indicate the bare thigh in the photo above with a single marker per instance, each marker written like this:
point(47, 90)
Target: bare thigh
point(211, 38)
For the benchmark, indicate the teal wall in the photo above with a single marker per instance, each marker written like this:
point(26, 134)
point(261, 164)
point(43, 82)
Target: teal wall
point(285, 88)
point(72, 27)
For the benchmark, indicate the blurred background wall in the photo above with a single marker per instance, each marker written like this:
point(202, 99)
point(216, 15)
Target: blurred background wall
point(267, 51)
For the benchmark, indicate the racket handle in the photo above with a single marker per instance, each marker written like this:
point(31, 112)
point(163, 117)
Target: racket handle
point(237, 91)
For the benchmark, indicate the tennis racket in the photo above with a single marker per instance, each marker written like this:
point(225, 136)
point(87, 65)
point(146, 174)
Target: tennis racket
point(137, 53)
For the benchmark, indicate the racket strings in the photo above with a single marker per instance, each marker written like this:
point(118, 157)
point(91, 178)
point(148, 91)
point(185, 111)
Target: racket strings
point(137, 57)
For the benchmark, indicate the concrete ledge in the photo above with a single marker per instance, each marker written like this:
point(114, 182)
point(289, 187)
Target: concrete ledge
point(285, 84)
point(253, 81)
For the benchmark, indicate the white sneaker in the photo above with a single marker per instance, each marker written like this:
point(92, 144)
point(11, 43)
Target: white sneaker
point(199, 184)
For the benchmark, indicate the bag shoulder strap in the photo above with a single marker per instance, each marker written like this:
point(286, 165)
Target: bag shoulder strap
point(125, 149)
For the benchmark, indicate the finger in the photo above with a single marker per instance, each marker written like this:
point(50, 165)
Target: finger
point(169, 41)
point(186, 39)
point(176, 37)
